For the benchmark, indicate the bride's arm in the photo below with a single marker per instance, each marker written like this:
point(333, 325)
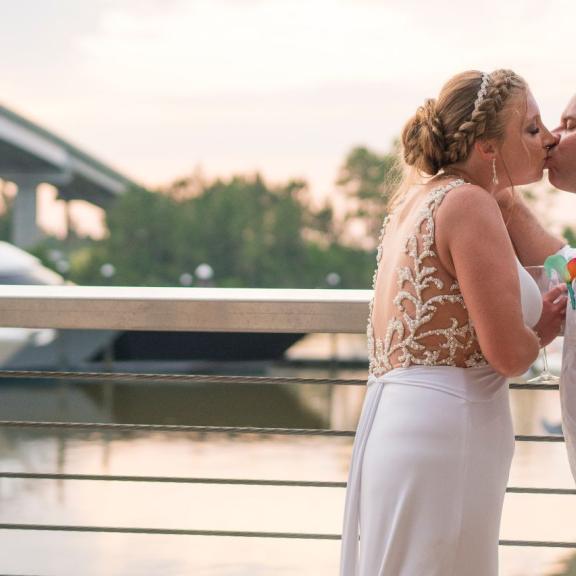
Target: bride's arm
point(474, 245)
point(532, 242)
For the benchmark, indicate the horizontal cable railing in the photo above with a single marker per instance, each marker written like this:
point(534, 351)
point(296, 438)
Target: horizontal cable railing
point(236, 482)
point(221, 429)
point(139, 378)
point(236, 533)
point(200, 309)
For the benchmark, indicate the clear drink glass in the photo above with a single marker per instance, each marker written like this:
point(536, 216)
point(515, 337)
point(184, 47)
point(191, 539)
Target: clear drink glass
point(545, 284)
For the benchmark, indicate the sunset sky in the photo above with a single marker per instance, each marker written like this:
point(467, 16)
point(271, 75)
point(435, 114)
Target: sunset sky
point(158, 87)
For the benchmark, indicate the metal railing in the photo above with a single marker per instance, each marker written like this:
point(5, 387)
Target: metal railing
point(200, 309)
point(184, 309)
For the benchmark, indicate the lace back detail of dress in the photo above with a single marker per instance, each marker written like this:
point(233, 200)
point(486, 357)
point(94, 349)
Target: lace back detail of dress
point(406, 333)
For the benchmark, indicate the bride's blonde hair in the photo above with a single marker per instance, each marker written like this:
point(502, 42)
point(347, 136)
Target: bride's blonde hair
point(443, 131)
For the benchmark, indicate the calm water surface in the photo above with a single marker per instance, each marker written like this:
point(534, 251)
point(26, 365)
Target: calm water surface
point(179, 506)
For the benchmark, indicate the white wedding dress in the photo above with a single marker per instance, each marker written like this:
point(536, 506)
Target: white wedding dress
point(434, 442)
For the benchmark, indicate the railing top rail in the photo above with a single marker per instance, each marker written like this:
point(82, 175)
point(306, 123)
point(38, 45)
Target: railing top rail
point(146, 293)
point(184, 309)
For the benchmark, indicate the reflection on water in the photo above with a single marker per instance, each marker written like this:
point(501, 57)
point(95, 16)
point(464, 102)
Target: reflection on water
point(210, 507)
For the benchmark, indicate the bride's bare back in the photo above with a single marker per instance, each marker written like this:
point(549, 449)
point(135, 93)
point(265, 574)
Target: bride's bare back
point(417, 314)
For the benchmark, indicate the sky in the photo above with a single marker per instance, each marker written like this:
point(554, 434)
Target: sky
point(157, 88)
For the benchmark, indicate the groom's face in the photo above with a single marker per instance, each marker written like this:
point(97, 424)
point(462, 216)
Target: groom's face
point(562, 163)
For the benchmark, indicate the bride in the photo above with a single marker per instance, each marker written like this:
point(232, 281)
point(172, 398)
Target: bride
point(453, 314)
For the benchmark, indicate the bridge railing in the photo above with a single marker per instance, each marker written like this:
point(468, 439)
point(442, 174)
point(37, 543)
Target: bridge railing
point(200, 309)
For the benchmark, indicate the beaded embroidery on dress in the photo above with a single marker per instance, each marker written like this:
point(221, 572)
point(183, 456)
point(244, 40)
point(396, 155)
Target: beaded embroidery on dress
point(406, 332)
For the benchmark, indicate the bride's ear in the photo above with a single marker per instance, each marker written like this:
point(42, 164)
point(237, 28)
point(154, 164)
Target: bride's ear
point(485, 148)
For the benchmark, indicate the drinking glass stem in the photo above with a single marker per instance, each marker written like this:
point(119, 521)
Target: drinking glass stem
point(545, 361)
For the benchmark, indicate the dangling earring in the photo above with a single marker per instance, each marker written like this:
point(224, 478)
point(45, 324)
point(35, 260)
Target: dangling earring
point(494, 175)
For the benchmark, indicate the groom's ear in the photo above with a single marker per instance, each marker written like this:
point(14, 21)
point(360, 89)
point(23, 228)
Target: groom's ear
point(486, 148)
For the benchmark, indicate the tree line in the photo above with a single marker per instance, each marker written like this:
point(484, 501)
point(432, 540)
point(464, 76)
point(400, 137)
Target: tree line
point(250, 232)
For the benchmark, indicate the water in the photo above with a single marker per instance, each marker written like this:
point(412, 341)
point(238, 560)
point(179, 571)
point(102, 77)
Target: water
point(215, 507)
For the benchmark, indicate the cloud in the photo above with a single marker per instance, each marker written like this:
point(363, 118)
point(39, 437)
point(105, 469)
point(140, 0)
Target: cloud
point(158, 85)
point(215, 46)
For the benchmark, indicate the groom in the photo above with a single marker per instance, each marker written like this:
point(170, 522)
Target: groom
point(562, 163)
point(562, 174)
point(534, 244)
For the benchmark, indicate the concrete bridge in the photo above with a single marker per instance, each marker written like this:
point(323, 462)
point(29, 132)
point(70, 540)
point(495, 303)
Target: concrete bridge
point(31, 155)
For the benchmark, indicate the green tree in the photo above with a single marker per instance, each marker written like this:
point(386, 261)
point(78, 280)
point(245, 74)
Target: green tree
point(6, 217)
point(251, 233)
point(570, 236)
point(368, 179)
point(569, 567)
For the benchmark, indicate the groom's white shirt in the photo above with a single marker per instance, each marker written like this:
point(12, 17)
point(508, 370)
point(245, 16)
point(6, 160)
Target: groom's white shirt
point(568, 377)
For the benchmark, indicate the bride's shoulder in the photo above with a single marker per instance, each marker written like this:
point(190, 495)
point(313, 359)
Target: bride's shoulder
point(470, 202)
point(469, 213)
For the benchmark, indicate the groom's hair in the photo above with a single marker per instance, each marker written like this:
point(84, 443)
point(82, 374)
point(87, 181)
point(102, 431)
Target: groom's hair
point(443, 131)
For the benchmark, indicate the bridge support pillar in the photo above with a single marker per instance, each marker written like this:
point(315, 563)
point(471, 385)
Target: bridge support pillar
point(25, 231)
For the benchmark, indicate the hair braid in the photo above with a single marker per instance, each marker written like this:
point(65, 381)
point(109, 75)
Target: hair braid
point(443, 132)
point(498, 91)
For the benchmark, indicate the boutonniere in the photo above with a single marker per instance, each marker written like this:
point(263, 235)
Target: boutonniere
point(566, 271)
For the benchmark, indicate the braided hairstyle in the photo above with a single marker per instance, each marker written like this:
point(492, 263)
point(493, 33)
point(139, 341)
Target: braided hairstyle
point(443, 131)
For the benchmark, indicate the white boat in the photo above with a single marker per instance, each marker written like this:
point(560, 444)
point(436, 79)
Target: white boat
point(19, 267)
